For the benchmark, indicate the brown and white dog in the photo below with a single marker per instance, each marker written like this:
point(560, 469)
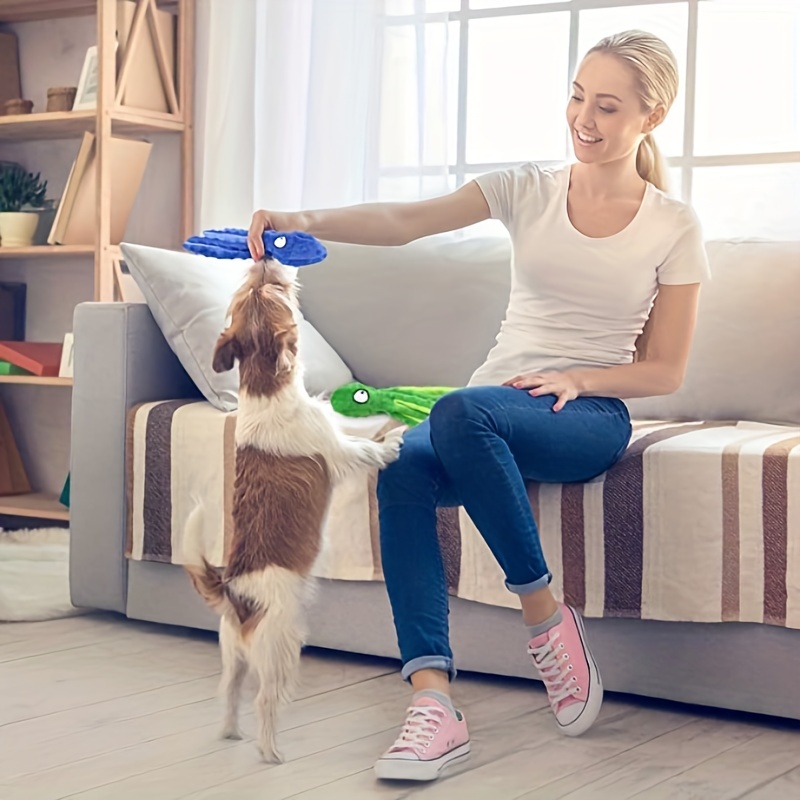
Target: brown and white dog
point(289, 456)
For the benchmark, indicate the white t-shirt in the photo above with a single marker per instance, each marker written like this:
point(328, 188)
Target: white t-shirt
point(578, 301)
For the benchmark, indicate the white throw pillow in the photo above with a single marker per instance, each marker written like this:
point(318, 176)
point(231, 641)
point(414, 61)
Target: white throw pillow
point(189, 295)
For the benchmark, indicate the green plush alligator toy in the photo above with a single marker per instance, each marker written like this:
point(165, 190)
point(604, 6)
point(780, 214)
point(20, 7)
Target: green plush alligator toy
point(408, 404)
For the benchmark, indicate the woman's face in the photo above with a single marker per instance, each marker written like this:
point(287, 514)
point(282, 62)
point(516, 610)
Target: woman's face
point(605, 113)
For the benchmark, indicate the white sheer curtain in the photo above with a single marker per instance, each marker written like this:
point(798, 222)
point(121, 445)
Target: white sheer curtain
point(309, 103)
point(291, 96)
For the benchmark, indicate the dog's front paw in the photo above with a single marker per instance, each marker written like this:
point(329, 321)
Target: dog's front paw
point(390, 446)
point(230, 732)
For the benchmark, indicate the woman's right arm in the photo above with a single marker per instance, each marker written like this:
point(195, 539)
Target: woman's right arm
point(377, 223)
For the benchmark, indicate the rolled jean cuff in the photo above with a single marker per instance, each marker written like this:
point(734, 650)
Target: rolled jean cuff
point(429, 662)
point(527, 588)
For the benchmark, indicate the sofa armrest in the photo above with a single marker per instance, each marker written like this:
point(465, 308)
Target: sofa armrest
point(120, 359)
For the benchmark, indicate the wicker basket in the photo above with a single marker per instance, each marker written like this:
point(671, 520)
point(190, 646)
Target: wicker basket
point(61, 98)
point(17, 106)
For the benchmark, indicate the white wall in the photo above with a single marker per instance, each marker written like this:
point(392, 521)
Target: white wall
point(51, 54)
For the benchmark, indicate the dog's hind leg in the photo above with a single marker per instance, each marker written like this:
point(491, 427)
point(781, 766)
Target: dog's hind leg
point(276, 658)
point(275, 647)
point(234, 671)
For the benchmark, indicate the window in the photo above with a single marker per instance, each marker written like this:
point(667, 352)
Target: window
point(468, 86)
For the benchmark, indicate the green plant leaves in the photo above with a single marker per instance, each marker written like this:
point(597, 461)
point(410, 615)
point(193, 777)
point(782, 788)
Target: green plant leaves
point(20, 188)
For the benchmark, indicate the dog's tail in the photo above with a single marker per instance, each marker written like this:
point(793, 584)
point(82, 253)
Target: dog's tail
point(206, 579)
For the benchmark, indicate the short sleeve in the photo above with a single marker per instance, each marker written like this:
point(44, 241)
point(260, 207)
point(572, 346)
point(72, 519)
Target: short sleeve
point(506, 189)
point(687, 260)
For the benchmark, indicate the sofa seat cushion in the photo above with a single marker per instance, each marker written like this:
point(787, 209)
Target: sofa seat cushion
point(698, 522)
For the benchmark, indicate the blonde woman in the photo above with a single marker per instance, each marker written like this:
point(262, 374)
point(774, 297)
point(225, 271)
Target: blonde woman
point(600, 252)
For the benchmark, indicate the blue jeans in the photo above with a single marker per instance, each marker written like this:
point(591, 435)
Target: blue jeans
point(476, 450)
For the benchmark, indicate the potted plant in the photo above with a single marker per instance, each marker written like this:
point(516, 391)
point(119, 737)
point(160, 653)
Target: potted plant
point(22, 195)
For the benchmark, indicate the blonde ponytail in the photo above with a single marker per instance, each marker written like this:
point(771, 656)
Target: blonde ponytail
point(656, 72)
point(650, 164)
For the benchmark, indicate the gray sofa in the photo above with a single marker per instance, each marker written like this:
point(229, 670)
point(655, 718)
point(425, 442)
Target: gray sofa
point(408, 315)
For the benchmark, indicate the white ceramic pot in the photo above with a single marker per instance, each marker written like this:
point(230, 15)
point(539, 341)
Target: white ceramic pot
point(17, 228)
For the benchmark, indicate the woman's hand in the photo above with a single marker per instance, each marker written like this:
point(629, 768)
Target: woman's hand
point(561, 384)
point(269, 221)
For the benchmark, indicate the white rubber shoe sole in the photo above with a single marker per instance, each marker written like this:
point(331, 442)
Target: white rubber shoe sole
point(406, 769)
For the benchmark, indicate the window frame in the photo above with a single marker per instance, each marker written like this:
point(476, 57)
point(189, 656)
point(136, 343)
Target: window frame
point(686, 163)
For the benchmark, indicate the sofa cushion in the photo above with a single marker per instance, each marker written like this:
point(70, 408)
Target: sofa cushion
point(690, 525)
point(422, 314)
point(744, 363)
point(189, 296)
point(428, 313)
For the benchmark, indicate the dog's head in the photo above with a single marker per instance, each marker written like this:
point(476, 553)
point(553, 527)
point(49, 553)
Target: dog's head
point(262, 333)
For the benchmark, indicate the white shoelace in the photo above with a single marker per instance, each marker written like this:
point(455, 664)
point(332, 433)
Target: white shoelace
point(422, 723)
point(555, 668)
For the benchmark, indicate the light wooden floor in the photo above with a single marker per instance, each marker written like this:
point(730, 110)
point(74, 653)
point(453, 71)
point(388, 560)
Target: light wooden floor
point(99, 708)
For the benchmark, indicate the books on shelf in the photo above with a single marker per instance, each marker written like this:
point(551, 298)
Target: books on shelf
point(13, 478)
point(12, 310)
point(66, 366)
point(145, 87)
point(9, 67)
point(38, 358)
point(7, 368)
point(76, 173)
point(76, 217)
point(65, 492)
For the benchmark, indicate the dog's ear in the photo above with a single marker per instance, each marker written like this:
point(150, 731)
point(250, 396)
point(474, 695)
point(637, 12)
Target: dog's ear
point(226, 352)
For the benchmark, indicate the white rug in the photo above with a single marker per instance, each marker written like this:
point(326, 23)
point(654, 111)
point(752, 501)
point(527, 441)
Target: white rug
point(34, 575)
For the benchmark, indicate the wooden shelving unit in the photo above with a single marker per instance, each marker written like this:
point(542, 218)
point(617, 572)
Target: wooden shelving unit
point(47, 251)
point(72, 124)
point(27, 10)
point(109, 118)
point(35, 380)
point(37, 504)
point(31, 10)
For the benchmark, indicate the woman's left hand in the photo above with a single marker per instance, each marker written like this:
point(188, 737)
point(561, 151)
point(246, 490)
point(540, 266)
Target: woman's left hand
point(561, 384)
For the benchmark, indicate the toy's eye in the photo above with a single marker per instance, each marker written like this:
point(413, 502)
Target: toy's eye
point(280, 241)
point(361, 396)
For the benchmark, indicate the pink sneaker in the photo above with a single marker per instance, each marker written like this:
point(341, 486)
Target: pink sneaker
point(431, 739)
point(563, 661)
